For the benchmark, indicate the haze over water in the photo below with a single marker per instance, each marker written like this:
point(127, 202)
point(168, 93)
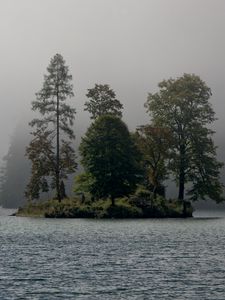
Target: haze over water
point(130, 44)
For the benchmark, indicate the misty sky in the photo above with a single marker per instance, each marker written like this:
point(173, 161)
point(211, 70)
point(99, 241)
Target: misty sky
point(129, 44)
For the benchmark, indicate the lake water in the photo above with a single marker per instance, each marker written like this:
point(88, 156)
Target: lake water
point(111, 259)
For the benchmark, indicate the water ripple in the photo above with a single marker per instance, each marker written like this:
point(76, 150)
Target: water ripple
point(109, 259)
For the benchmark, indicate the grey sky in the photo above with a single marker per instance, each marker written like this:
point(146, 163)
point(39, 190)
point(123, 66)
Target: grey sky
point(129, 44)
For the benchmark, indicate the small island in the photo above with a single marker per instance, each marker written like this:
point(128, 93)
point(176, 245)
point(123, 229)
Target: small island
point(124, 208)
point(122, 174)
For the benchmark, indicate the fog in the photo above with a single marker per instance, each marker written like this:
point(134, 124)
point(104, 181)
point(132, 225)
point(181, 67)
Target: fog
point(129, 44)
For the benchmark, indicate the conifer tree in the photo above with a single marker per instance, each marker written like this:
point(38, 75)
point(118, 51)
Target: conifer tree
point(110, 159)
point(50, 150)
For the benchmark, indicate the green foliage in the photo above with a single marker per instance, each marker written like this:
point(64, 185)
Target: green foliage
point(124, 208)
point(154, 145)
point(83, 183)
point(69, 210)
point(41, 153)
point(52, 156)
point(109, 156)
point(102, 101)
point(182, 106)
point(158, 207)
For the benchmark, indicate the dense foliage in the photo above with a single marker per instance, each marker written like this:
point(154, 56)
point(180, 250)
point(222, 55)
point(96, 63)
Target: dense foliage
point(130, 167)
point(109, 156)
point(182, 106)
point(154, 144)
point(135, 207)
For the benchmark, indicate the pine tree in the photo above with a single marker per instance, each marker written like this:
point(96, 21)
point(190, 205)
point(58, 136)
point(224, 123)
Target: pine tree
point(52, 156)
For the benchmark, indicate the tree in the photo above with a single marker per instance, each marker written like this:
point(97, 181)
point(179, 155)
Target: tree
point(154, 144)
point(102, 101)
point(15, 169)
point(83, 184)
point(182, 105)
point(109, 157)
point(50, 153)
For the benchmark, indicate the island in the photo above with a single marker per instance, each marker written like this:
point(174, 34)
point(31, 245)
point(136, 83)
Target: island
point(119, 173)
point(124, 208)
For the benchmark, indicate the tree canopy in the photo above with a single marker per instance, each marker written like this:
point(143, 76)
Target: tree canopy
point(101, 101)
point(182, 106)
point(154, 144)
point(109, 156)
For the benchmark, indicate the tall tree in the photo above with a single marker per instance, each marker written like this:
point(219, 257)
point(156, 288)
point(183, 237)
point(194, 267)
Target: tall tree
point(102, 101)
point(109, 157)
point(51, 154)
point(15, 169)
point(182, 105)
point(154, 144)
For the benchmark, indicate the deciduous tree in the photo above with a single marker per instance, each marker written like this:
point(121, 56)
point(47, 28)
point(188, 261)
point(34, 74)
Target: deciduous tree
point(154, 144)
point(102, 101)
point(182, 105)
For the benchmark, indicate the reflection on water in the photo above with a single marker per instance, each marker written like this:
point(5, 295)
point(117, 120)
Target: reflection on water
point(6, 212)
point(112, 259)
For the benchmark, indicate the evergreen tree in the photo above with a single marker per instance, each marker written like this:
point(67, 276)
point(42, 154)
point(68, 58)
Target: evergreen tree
point(102, 101)
point(109, 157)
point(50, 153)
point(182, 105)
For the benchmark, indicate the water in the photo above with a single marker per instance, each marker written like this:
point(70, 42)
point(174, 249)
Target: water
point(109, 259)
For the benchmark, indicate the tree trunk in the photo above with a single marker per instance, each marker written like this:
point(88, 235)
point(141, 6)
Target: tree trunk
point(182, 177)
point(181, 186)
point(184, 209)
point(154, 192)
point(57, 152)
point(113, 201)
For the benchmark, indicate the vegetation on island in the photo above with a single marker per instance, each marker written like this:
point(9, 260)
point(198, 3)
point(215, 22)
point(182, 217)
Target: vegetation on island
point(139, 205)
point(110, 159)
point(124, 173)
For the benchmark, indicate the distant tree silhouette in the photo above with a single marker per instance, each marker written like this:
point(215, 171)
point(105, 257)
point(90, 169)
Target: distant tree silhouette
point(15, 170)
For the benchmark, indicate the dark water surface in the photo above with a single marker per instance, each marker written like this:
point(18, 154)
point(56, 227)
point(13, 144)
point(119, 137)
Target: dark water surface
point(109, 259)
